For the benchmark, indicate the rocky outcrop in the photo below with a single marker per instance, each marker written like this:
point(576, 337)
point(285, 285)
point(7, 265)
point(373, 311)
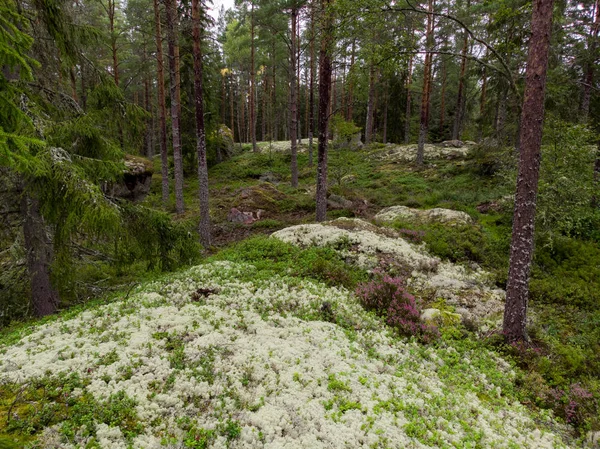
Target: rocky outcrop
point(436, 215)
point(470, 291)
point(408, 153)
point(136, 181)
point(338, 202)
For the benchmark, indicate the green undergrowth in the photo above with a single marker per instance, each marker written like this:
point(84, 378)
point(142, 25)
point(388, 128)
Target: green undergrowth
point(560, 365)
point(272, 256)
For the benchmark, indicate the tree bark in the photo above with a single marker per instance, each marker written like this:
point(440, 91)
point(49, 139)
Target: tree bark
point(113, 40)
point(482, 104)
point(324, 95)
point(44, 297)
point(460, 100)
point(293, 100)
point(443, 98)
point(385, 114)
point(204, 227)
point(162, 108)
point(171, 13)
point(424, 124)
point(532, 116)
point(588, 77)
point(351, 82)
point(252, 82)
point(311, 93)
point(370, 105)
point(408, 102)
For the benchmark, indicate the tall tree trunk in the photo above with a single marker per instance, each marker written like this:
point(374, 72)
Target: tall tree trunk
point(501, 113)
point(408, 112)
point(232, 106)
point(306, 105)
point(204, 227)
point(311, 93)
point(223, 98)
point(83, 89)
point(148, 133)
point(162, 108)
point(482, 105)
point(113, 40)
point(460, 101)
point(351, 82)
point(44, 297)
point(252, 81)
point(265, 96)
point(324, 95)
point(443, 98)
point(370, 105)
point(171, 13)
point(149, 150)
point(424, 124)
point(522, 244)
point(242, 116)
point(298, 99)
point(385, 113)
point(293, 100)
point(73, 84)
point(588, 77)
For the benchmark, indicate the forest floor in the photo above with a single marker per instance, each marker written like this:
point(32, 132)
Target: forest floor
point(265, 344)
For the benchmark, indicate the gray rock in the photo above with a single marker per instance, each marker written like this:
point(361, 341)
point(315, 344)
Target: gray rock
point(452, 144)
point(269, 177)
point(338, 202)
point(136, 181)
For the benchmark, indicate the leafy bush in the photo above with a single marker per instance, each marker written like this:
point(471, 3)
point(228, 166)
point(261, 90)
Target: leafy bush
point(343, 131)
point(387, 296)
point(566, 271)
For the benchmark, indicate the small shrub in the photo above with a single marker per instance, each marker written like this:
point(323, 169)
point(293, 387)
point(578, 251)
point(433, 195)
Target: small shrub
point(574, 405)
point(387, 296)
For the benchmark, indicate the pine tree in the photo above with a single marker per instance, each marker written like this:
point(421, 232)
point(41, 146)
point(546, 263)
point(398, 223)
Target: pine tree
point(204, 227)
point(323, 118)
point(521, 249)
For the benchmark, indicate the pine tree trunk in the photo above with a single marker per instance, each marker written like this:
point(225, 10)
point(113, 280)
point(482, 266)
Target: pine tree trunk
point(324, 96)
point(522, 245)
point(424, 124)
point(311, 93)
point(83, 89)
point(171, 13)
point(293, 100)
point(298, 99)
point(370, 105)
point(113, 40)
point(351, 82)
point(204, 227)
point(588, 77)
point(482, 105)
point(501, 114)
point(73, 84)
point(252, 82)
point(385, 116)
point(265, 96)
point(408, 112)
point(44, 297)
point(443, 98)
point(232, 107)
point(162, 108)
point(460, 101)
point(223, 99)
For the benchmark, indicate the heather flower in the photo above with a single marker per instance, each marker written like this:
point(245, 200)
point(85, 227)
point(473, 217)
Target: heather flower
point(387, 296)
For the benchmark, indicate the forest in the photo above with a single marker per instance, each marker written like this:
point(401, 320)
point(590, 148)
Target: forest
point(299, 224)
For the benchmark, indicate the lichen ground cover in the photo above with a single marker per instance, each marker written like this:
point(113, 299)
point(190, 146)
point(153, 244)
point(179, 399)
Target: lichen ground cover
point(219, 356)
